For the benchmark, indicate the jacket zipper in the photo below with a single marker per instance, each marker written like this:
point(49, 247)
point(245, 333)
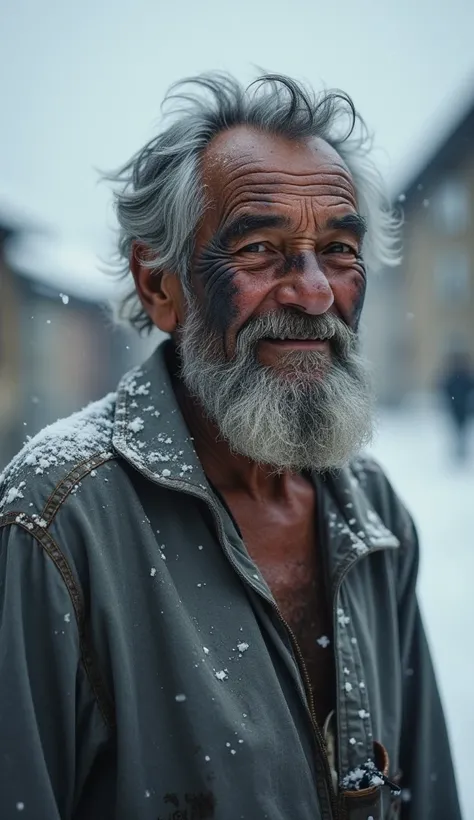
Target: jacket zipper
point(320, 742)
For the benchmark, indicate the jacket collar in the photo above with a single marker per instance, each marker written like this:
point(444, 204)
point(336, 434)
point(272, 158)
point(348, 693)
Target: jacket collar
point(149, 429)
point(151, 434)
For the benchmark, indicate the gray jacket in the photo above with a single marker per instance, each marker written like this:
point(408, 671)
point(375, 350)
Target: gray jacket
point(146, 673)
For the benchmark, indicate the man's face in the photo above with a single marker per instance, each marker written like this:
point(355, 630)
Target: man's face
point(282, 234)
point(269, 341)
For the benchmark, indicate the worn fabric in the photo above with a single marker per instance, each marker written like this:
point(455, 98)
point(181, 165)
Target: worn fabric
point(146, 673)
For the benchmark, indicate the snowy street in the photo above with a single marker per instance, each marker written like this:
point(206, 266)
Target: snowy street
point(413, 447)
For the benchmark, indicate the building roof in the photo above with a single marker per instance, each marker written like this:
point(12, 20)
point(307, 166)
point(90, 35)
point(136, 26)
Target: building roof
point(445, 155)
point(43, 257)
point(71, 270)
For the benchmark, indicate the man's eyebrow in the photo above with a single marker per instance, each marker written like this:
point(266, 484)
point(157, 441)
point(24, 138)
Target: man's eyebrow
point(248, 223)
point(354, 223)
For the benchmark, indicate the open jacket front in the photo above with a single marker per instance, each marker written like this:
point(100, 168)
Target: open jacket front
point(146, 673)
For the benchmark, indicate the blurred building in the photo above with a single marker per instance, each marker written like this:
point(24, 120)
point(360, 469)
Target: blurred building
point(58, 349)
point(419, 313)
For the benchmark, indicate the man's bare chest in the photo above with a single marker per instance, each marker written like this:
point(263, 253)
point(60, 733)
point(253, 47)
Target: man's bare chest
point(300, 592)
point(295, 573)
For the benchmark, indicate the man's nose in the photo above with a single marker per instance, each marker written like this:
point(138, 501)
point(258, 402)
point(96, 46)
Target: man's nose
point(305, 286)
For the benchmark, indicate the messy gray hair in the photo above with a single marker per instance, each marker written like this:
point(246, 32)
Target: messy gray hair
point(159, 198)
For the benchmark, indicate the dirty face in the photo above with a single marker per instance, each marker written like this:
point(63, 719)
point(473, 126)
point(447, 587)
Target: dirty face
point(282, 234)
point(268, 344)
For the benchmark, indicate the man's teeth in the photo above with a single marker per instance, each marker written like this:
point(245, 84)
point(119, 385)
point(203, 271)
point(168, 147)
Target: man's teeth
point(298, 339)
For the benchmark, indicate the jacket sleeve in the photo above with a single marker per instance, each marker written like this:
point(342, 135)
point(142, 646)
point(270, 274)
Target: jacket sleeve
point(41, 688)
point(428, 782)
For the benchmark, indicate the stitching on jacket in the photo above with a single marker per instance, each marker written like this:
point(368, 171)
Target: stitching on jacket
point(67, 484)
point(51, 548)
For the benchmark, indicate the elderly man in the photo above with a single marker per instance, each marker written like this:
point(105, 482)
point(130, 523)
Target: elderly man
point(208, 602)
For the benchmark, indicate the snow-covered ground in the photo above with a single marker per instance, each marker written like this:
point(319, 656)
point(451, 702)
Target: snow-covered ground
point(414, 448)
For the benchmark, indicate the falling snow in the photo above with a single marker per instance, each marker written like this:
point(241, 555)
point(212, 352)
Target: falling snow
point(323, 641)
point(180, 698)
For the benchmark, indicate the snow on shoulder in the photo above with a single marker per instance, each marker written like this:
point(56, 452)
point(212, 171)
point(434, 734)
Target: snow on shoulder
point(64, 444)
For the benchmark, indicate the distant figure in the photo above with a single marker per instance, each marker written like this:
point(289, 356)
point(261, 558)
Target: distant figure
point(457, 389)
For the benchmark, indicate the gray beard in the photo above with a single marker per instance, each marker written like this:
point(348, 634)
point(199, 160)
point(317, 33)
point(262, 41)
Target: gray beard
point(307, 414)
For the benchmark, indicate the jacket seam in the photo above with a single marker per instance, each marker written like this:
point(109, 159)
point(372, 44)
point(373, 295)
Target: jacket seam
point(51, 548)
point(67, 484)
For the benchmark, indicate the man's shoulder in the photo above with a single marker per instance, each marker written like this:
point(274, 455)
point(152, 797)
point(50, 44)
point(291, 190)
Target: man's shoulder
point(58, 454)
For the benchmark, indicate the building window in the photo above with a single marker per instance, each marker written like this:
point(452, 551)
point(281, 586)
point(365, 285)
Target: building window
point(452, 276)
point(450, 207)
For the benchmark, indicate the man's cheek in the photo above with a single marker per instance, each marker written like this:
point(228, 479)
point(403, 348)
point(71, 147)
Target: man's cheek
point(218, 279)
point(351, 302)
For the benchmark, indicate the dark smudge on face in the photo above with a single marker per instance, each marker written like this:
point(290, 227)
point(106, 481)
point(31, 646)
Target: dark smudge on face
point(294, 261)
point(360, 296)
point(218, 278)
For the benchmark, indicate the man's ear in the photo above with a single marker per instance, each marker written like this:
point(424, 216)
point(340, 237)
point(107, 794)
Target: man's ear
point(160, 292)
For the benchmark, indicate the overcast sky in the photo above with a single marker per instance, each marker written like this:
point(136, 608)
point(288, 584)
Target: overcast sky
point(82, 82)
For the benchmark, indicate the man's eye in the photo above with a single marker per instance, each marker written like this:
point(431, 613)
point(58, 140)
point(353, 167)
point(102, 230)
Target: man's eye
point(254, 247)
point(341, 247)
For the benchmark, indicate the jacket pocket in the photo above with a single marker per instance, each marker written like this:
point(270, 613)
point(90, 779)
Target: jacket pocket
point(376, 802)
point(365, 804)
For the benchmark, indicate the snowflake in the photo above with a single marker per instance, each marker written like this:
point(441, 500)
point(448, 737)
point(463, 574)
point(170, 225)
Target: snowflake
point(153, 572)
point(242, 646)
point(14, 493)
point(180, 698)
point(221, 675)
point(136, 425)
point(67, 617)
point(323, 641)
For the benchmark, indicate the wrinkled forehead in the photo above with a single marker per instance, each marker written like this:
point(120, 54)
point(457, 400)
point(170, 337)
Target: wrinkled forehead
point(243, 162)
